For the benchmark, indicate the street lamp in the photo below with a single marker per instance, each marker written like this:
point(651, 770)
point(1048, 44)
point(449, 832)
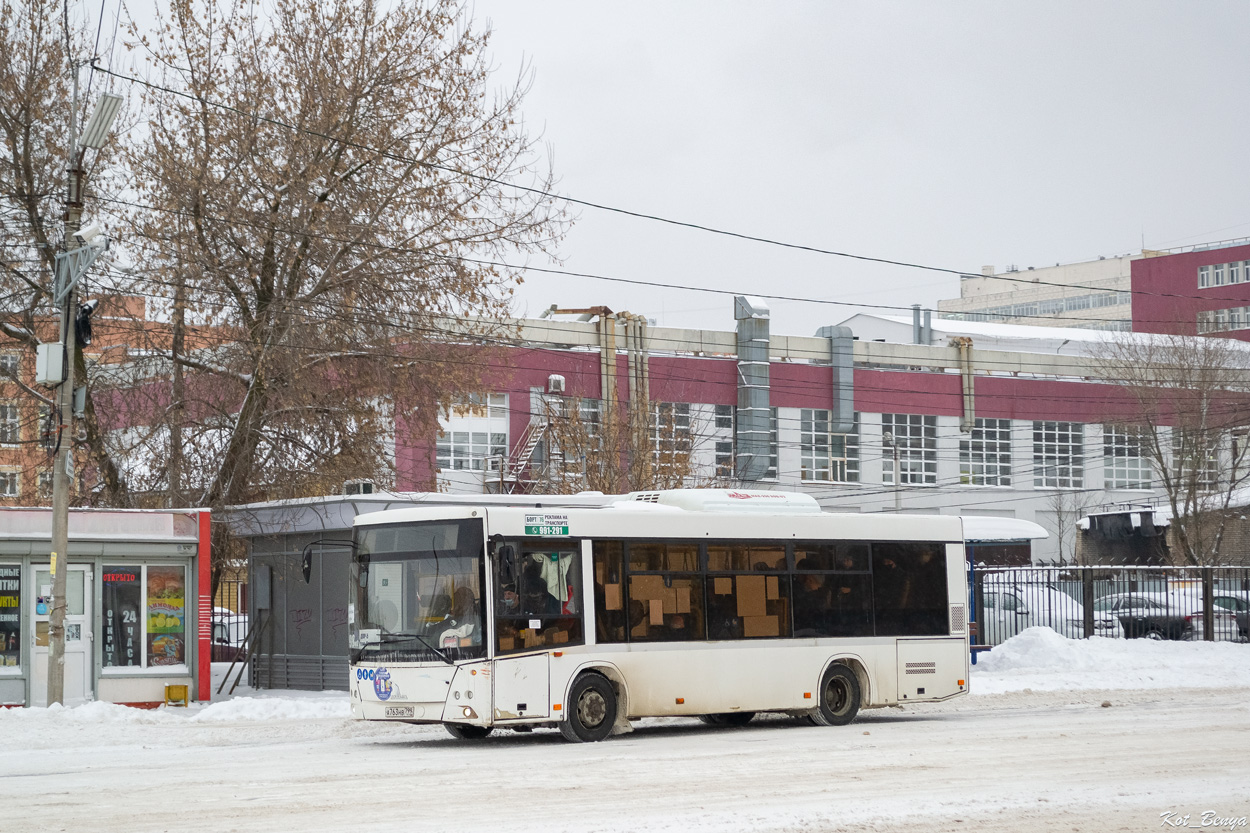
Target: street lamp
point(83, 246)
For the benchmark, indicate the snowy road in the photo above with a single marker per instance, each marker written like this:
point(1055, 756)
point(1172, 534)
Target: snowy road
point(1019, 761)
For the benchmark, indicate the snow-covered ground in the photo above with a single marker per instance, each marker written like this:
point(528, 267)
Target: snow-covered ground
point(1094, 735)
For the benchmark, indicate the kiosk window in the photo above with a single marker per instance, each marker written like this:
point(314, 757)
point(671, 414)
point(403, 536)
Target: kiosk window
point(144, 616)
point(10, 616)
point(167, 644)
point(122, 620)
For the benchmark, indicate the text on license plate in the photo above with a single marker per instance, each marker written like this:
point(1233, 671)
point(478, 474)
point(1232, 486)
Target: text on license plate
point(399, 711)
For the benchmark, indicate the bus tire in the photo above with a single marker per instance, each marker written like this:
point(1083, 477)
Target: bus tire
point(465, 731)
point(727, 718)
point(591, 711)
point(839, 697)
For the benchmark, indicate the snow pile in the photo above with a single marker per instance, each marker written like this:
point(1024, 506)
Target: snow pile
point(1042, 660)
point(333, 705)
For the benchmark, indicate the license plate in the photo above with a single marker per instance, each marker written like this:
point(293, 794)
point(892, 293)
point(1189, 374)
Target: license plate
point(399, 711)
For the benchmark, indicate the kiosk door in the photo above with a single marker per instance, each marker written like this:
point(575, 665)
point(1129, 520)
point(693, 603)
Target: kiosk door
point(78, 636)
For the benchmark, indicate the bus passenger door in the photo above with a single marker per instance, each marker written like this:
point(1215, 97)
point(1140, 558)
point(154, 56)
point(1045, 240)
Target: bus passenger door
point(521, 687)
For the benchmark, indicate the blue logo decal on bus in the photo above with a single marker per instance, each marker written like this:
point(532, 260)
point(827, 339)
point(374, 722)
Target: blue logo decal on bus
point(382, 683)
point(364, 673)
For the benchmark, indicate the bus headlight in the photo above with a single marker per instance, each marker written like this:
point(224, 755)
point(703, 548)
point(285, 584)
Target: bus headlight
point(469, 713)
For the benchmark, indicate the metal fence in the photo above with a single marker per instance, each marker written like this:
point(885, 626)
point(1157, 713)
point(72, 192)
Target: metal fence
point(229, 620)
point(1181, 603)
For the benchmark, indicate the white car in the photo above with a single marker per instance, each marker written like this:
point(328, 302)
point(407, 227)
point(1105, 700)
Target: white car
point(1009, 607)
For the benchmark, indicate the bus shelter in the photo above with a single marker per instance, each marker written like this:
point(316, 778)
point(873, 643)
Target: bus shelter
point(137, 596)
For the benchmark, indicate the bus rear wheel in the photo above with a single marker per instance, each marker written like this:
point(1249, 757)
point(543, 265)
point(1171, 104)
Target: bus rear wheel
point(839, 697)
point(464, 731)
point(591, 711)
point(727, 718)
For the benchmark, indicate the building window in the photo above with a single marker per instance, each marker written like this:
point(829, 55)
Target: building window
point(725, 449)
point(10, 426)
point(823, 455)
point(43, 484)
point(10, 483)
point(471, 450)
point(1058, 455)
point(1217, 274)
point(474, 434)
point(670, 433)
point(9, 363)
point(1125, 464)
point(1204, 277)
point(1195, 456)
point(985, 456)
point(1234, 272)
point(912, 438)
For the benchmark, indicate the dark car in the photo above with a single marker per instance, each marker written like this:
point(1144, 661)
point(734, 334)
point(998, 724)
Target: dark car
point(1169, 615)
point(1145, 616)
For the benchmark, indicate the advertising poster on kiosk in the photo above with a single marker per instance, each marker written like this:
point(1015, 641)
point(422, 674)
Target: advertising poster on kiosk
point(10, 616)
point(166, 616)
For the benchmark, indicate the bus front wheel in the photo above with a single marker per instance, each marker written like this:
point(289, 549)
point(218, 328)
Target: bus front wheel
point(839, 697)
point(465, 731)
point(591, 710)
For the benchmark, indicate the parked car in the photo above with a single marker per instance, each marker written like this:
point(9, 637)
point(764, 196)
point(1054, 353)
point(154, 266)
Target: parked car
point(1240, 607)
point(1010, 607)
point(229, 634)
point(1166, 615)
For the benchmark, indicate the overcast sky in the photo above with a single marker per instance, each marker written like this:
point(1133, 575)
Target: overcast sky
point(950, 134)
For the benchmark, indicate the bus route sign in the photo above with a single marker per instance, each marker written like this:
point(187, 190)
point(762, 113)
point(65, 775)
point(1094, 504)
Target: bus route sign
point(546, 525)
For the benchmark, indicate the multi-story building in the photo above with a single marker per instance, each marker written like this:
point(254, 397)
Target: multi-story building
point(1200, 291)
point(1192, 290)
point(1093, 295)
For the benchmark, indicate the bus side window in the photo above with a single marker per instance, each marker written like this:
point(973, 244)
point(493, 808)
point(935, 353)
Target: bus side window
point(539, 599)
point(832, 590)
point(909, 589)
point(609, 591)
point(753, 601)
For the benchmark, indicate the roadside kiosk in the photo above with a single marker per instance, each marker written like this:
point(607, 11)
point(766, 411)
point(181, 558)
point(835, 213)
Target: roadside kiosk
point(137, 594)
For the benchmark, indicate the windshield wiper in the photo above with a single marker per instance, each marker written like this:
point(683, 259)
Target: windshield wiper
point(402, 637)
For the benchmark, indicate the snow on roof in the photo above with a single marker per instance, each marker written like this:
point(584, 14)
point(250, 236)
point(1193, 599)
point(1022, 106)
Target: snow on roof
point(1162, 514)
point(1071, 341)
point(954, 326)
point(981, 528)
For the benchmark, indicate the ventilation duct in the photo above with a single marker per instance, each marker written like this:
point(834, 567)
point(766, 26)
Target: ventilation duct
point(842, 358)
point(752, 425)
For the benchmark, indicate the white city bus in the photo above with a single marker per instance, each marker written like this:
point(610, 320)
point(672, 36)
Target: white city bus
point(711, 603)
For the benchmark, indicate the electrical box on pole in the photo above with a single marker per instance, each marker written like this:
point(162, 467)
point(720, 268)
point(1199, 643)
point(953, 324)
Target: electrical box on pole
point(50, 364)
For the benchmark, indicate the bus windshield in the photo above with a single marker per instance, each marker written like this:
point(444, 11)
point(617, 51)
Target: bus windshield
point(416, 592)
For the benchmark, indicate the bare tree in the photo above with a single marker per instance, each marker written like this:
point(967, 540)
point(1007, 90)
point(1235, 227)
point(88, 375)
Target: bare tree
point(614, 450)
point(37, 43)
point(1188, 416)
point(1065, 512)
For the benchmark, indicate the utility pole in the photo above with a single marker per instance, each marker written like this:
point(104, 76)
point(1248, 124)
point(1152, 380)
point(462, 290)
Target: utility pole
point(889, 439)
point(65, 422)
point(69, 269)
